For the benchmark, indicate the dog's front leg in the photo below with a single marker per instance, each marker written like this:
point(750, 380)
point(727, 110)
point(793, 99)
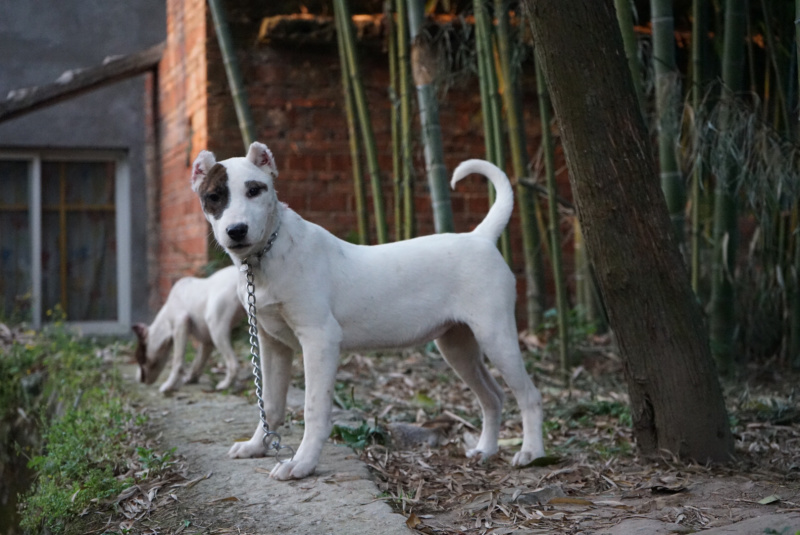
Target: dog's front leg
point(276, 374)
point(180, 332)
point(320, 358)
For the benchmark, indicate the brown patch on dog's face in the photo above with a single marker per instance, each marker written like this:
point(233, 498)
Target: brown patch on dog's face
point(254, 188)
point(214, 193)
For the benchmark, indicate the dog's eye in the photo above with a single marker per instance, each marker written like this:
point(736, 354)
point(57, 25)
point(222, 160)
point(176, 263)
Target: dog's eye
point(255, 191)
point(212, 197)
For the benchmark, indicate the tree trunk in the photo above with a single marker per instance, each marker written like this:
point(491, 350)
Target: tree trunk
point(676, 400)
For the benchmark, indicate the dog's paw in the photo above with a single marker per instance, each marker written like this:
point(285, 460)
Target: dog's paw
point(246, 450)
point(524, 458)
point(483, 454)
point(225, 383)
point(168, 387)
point(293, 470)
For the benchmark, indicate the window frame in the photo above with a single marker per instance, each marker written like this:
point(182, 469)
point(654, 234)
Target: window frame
point(123, 212)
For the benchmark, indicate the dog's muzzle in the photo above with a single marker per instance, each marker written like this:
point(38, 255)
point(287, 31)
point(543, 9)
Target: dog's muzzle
point(237, 232)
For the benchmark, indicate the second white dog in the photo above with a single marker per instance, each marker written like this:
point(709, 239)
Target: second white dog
point(204, 309)
point(322, 295)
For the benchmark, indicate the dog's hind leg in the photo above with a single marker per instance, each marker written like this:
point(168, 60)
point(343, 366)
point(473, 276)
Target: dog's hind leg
point(203, 352)
point(502, 348)
point(221, 335)
point(463, 354)
point(180, 333)
point(276, 374)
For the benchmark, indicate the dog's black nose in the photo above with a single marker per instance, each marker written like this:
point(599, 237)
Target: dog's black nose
point(237, 232)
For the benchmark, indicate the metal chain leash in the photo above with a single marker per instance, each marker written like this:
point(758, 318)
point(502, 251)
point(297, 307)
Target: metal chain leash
point(271, 440)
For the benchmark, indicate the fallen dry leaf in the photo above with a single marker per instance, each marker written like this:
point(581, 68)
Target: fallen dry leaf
point(220, 500)
point(413, 521)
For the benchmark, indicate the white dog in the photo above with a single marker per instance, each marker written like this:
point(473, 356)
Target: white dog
point(319, 294)
point(205, 309)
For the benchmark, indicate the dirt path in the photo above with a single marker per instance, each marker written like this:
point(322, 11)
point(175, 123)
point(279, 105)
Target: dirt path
point(239, 496)
point(606, 497)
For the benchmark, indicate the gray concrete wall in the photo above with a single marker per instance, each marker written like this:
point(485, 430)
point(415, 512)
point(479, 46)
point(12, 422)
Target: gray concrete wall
point(39, 40)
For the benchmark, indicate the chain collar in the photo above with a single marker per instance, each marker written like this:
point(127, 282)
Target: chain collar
point(272, 439)
point(270, 241)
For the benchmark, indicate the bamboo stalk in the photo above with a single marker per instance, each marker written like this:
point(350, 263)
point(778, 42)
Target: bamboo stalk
point(586, 290)
point(397, 180)
point(482, 51)
point(490, 105)
point(423, 64)
point(722, 304)
point(667, 112)
point(498, 127)
point(345, 25)
point(494, 72)
point(626, 20)
point(699, 54)
point(233, 73)
point(750, 43)
point(555, 234)
point(359, 190)
point(528, 205)
point(780, 107)
point(581, 268)
point(404, 82)
point(794, 327)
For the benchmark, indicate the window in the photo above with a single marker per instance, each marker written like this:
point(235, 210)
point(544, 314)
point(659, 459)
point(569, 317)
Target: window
point(65, 239)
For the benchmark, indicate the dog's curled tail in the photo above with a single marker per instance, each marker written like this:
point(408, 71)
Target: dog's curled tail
point(500, 212)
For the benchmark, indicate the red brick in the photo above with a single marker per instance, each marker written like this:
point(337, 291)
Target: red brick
point(328, 202)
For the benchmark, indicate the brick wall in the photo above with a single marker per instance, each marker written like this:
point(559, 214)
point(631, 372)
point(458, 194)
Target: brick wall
point(296, 100)
point(183, 102)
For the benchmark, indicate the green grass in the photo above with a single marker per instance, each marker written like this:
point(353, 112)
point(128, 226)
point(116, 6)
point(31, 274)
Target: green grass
point(85, 453)
point(75, 404)
point(359, 437)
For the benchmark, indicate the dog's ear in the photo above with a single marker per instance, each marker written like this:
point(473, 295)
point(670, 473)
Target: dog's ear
point(204, 161)
point(140, 330)
point(262, 158)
